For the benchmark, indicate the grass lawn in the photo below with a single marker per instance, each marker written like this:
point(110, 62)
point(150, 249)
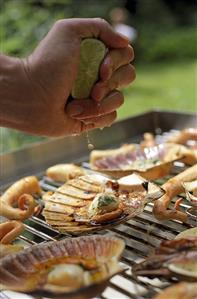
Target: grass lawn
point(171, 86)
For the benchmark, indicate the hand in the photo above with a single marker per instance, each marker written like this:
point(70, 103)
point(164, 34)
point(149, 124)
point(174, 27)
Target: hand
point(48, 75)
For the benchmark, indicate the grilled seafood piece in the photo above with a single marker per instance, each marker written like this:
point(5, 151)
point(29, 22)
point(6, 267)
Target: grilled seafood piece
point(173, 187)
point(187, 137)
point(181, 290)
point(94, 202)
point(191, 192)
point(17, 201)
point(176, 258)
point(148, 140)
point(180, 137)
point(8, 232)
point(151, 162)
point(6, 249)
point(64, 172)
point(183, 136)
point(70, 268)
point(191, 232)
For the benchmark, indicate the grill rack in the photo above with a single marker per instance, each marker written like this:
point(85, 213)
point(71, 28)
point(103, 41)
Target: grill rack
point(141, 235)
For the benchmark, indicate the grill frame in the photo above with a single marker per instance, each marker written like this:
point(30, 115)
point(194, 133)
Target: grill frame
point(141, 233)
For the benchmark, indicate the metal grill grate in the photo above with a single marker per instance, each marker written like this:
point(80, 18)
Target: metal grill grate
point(141, 235)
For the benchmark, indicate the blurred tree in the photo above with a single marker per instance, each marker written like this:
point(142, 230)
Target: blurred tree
point(24, 22)
point(184, 11)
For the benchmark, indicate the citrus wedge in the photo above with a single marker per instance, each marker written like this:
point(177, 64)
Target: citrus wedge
point(92, 52)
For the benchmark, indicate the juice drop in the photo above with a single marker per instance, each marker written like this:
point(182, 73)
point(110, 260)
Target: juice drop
point(90, 145)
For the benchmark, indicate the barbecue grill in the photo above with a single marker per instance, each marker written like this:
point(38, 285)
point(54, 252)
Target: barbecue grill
point(142, 233)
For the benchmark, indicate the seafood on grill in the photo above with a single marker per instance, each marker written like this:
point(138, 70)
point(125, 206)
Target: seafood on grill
point(191, 232)
point(181, 290)
point(183, 136)
point(191, 192)
point(180, 137)
point(10, 230)
point(64, 172)
point(175, 258)
point(93, 202)
point(17, 201)
point(71, 268)
point(173, 187)
point(150, 162)
point(187, 137)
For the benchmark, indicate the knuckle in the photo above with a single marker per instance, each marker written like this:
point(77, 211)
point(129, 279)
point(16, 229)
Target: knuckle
point(131, 74)
point(115, 83)
point(121, 97)
point(130, 53)
point(113, 116)
point(59, 24)
point(101, 21)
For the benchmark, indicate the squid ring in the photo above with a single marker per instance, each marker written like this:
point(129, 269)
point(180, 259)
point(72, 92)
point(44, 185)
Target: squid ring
point(10, 230)
point(17, 201)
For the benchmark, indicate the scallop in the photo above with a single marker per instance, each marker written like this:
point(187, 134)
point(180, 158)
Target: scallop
point(183, 290)
point(72, 208)
point(66, 275)
point(71, 268)
point(151, 162)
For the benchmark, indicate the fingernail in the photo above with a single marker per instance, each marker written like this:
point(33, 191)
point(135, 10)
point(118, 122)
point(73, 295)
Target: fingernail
point(109, 66)
point(113, 93)
point(75, 110)
point(124, 37)
point(97, 93)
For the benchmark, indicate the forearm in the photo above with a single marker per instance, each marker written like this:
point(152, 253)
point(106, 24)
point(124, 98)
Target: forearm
point(14, 93)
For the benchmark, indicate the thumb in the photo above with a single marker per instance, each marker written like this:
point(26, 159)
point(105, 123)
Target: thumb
point(98, 28)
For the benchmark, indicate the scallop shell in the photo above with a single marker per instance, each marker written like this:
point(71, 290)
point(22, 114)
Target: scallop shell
point(66, 210)
point(175, 258)
point(151, 162)
point(188, 233)
point(26, 271)
point(183, 290)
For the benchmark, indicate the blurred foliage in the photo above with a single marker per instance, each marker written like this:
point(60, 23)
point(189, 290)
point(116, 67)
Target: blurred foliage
point(13, 139)
point(166, 32)
point(25, 22)
point(162, 34)
point(167, 45)
point(168, 86)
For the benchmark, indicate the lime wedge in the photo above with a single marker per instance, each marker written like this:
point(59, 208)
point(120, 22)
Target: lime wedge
point(92, 52)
